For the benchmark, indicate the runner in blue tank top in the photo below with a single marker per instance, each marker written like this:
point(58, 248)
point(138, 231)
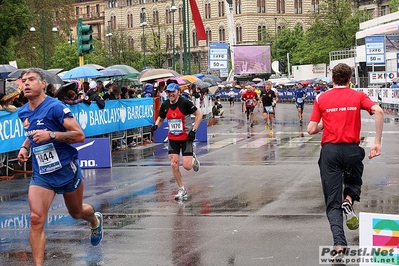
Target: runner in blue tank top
point(50, 129)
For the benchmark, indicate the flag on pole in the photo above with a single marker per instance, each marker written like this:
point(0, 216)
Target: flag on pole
point(199, 26)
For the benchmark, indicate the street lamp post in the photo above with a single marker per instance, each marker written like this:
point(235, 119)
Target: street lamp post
point(54, 29)
point(276, 37)
point(71, 40)
point(109, 35)
point(173, 9)
point(143, 24)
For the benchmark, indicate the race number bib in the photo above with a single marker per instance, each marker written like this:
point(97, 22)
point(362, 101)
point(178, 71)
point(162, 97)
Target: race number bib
point(269, 109)
point(299, 100)
point(175, 126)
point(47, 158)
point(250, 102)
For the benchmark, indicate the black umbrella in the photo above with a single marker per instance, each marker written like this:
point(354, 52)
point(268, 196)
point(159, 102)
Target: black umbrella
point(62, 91)
point(5, 70)
point(48, 76)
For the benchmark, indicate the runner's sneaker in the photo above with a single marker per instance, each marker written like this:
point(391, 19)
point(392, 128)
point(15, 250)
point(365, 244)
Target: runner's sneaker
point(252, 124)
point(351, 219)
point(337, 259)
point(271, 132)
point(300, 122)
point(181, 195)
point(97, 233)
point(196, 163)
point(267, 126)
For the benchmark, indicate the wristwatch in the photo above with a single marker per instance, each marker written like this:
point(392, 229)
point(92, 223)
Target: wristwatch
point(52, 135)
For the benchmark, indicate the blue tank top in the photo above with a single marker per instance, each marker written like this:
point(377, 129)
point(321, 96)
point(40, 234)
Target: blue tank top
point(51, 155)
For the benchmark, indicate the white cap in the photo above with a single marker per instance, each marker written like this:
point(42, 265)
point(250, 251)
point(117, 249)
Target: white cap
point(92, 84)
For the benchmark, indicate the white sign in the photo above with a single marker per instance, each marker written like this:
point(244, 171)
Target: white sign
point(218, 56)
point(381, 77)
point(380, 231)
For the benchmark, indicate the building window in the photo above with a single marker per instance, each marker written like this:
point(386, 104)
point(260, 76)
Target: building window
point(98, 9)
point(77, 11)
point(384, 10)
point(261, 33)
point(298, 6)
point(113, 22)
point(112, 4)
point(168, 16)
point(155, 17)
point(315, 6)
point(280, 6)
point(130, 43)
point(221, 8)
point(238, 7)
point(142, 1)
point(129, 2)
point(181, 39)
point(169, 41)
point(180, 14)
point(222, 34)
point(130, 20)
point(239, 34)
point(208, 36)
point(261, 6)
point(195, 39)
point(208, 10)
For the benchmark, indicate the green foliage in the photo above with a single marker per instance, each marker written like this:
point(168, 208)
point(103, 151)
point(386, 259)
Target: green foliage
point(287, 42)
point(333, 28)
point(14, 19)
point(393, 5)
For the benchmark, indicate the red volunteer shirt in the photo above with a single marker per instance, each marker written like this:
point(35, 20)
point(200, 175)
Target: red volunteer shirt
point(340, 110)
point(250, 98)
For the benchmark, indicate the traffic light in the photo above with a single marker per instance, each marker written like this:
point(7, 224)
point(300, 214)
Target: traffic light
point(84, 38)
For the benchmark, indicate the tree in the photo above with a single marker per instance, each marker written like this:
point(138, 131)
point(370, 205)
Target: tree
point(393, 5)
point(41, 15)
point(288, 41)
point(14, 19)
point(332, 28)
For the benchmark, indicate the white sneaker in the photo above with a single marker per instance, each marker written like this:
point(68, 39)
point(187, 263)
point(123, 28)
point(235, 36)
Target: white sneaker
point(196, 164)
point(181, 195)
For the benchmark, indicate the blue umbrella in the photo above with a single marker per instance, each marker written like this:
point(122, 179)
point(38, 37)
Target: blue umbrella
point(112, 72)
point(82, 72)
point(327, 79)
point(5, 70)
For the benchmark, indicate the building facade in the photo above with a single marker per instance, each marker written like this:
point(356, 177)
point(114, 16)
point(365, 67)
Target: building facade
point(252, 19)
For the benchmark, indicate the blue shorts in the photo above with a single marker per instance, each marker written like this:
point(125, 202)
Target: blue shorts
point(66, 179)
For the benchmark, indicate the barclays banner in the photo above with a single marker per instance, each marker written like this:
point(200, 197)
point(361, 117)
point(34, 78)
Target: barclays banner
point(117, 115)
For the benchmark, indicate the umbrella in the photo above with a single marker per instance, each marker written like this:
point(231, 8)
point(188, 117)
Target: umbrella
point(327, 79)
point(179, 80)
point(260, 84)
point(200, 75)
point(62, 91)
point(257, 80)
point(211, 81)
point(212, 89)
point(153, 74)
point(50, 78)
point(215, 78)
point(82, 72)
point(131, 72)
point(112, 72)
point(190, 78)
point(95, 66)
point(202, 85)
point(305, 82)
point(396, 80)
point(55, 70)
point(127, 81)
point(5, 70)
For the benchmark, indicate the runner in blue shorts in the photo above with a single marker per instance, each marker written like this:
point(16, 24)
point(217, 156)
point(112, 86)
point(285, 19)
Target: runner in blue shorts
point(50, 129)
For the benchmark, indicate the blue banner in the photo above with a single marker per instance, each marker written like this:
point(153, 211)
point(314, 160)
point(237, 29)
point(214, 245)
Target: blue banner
point(117, 115)
point(283, 94)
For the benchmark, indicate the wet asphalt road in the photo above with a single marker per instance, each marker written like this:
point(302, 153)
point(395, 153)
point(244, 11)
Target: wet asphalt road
point(255, 201)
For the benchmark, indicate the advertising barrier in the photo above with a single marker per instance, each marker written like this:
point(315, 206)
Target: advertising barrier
point(117, 115)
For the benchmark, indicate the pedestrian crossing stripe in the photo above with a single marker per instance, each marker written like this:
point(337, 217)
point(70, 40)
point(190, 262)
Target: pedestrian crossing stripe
point(258, 143)
point(296, 142)
point(223, 143)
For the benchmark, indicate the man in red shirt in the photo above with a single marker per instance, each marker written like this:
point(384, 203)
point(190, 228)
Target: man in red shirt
point(250, 97)
point(337, 111)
